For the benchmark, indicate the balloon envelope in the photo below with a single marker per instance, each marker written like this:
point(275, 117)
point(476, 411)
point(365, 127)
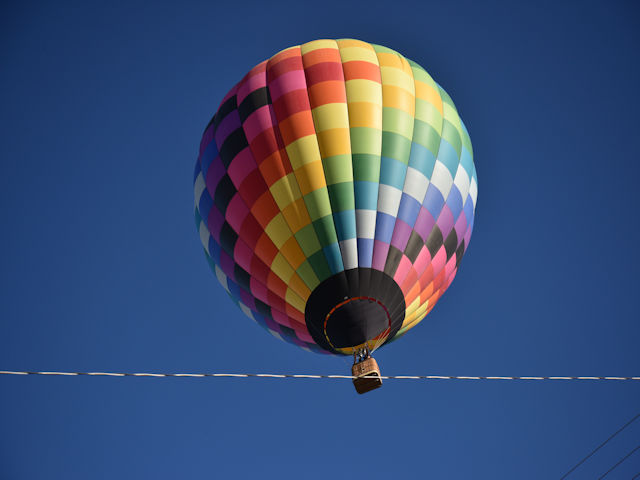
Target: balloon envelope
point(335, 193)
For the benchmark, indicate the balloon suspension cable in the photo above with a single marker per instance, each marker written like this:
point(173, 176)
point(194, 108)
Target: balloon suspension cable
point(361, 354)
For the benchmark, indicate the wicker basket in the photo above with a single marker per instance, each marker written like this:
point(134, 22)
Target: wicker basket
point(366, 368)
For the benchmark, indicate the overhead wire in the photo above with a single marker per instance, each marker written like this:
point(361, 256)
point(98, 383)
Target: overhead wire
point(600, 446)
point(285, 375)
point(619, 462)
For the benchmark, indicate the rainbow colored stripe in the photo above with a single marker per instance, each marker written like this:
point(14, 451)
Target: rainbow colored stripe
point(330, 156)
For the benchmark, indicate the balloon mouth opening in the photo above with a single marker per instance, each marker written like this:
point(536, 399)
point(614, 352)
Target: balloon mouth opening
point(356, 321)
point(355, 308)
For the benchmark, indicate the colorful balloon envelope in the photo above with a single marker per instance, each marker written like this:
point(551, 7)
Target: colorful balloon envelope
point(335, 193)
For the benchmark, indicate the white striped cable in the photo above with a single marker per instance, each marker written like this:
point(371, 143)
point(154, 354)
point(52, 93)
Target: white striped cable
point(281, 375)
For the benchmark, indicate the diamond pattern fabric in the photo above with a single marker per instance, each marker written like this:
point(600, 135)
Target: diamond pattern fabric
point(332, 157)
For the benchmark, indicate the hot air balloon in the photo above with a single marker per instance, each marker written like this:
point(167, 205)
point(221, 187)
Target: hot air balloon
point(335, 193)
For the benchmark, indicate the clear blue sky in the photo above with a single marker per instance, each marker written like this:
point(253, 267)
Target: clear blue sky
point(102, 109)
